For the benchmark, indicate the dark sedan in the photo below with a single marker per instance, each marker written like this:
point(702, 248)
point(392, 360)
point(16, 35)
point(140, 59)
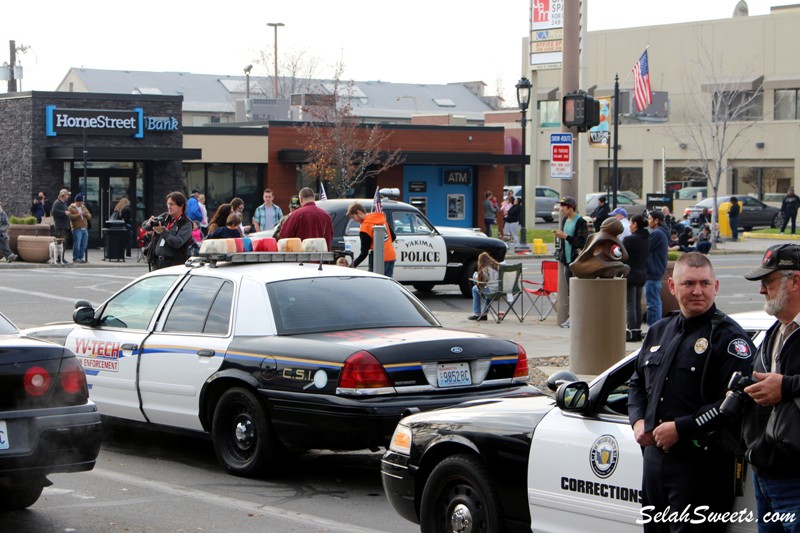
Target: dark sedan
point(755, 213)
point(47, 422)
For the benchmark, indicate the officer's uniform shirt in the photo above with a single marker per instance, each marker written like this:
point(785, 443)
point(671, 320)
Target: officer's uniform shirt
point(681, 374)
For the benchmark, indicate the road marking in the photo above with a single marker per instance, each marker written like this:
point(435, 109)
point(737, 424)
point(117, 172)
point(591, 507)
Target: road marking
point(231, 503)
point(39, 294)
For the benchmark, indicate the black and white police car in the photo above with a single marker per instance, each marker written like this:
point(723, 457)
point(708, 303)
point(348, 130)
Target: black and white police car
point(532, 464)
point(427, 255)
point(266, 351)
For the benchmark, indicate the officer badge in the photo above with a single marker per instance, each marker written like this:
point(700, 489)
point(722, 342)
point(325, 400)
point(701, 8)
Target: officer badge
point(739, 348)
point(701, 345)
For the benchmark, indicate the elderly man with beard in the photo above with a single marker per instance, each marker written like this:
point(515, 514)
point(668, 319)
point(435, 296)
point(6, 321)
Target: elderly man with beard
point(776, 392)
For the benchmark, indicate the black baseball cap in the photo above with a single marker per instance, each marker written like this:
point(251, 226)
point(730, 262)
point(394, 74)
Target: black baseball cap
point(778, 257)
point(570, 201)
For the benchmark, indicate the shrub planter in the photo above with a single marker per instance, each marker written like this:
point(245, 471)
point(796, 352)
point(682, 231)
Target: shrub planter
point(35, 230)
point(34, 249)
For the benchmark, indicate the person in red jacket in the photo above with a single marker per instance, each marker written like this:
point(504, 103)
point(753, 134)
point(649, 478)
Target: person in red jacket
point(308, 222)
point(368, 222)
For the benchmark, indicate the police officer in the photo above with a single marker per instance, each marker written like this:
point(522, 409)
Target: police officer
point(680, 378)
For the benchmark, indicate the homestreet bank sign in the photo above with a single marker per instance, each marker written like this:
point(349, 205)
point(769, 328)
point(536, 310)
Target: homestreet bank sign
point(105, 122)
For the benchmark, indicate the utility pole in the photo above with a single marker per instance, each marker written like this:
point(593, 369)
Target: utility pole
point(570, 80)
point(276, 25)
point(12, 81)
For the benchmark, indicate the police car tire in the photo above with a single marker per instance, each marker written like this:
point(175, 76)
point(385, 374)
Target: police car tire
point(242, 435)
point(22, 494)
point(460, 481)
point(465, 278)
point(424, 287)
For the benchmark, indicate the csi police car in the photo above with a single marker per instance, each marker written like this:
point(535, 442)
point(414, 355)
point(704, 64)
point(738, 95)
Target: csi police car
point(263, 356)
point(426, 255)
point(532, 464)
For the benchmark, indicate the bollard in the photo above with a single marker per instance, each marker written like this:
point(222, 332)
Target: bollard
point(378, 236)
point(597, 324)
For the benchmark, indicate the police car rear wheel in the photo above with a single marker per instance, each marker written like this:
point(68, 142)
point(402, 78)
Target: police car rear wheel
point(465, 279)
point(242, 434)
point(22, 494)
point(460, 497)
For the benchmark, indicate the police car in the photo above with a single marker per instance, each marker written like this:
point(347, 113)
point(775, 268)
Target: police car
point(267, 351)
point(532, 463)
point(426, 255)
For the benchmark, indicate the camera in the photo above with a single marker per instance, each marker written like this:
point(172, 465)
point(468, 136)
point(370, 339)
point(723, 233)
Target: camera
point(157, 221)
point(736, 397)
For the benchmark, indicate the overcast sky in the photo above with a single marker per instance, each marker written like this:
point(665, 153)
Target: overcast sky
point(430, 41)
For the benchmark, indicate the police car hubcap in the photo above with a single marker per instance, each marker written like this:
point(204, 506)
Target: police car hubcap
point(461, 519)
point(244, 433)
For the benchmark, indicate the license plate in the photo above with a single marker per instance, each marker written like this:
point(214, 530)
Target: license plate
point(454, 375)
point(3, 435)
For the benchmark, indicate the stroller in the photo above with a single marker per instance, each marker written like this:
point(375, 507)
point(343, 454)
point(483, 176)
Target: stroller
point(142, 240)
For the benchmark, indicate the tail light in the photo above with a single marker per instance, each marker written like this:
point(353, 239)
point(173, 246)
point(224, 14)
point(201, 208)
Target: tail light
point(521, 370)
point(73, 380)
point(363, 371)
point(36, 381)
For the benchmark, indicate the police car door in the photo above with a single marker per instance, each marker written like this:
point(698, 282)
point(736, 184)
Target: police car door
point(585, 472)
point(421, 251)
point(188, 345)
point(110, 351)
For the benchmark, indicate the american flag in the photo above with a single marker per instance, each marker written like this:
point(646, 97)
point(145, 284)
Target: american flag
point(377, 206)
point(642, 94)
point(322, 195)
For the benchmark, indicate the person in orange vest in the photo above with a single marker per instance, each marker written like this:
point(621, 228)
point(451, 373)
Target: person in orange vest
point(368, 222)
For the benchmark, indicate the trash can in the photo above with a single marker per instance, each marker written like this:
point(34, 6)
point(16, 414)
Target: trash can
point(115, 234)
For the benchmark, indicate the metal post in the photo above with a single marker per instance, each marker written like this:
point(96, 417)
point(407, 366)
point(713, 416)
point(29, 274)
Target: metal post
point(523, 237)
point(616, 137)
point(378, 238)
point(12, 81)
point(85, 153)
point(276, 25)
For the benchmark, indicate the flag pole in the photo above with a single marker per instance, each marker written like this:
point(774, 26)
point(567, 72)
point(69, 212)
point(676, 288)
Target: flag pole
point(616, 138)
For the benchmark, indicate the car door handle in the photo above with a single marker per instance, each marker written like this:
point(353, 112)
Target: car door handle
point(130, 347)
point(205, 353)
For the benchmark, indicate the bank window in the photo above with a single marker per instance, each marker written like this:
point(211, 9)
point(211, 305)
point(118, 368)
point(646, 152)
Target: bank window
point(733, 106)
point(786, 107)
point(630, 179)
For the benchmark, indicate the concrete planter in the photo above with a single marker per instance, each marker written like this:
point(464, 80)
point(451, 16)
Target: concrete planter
point(15, 230)
point(34, 249)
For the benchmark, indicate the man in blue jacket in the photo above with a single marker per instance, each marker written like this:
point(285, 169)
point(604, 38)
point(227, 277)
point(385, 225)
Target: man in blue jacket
point(193, 210)
point(656, 265)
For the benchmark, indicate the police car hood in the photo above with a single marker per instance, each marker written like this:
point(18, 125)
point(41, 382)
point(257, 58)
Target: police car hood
point(518, 415)
point(395, 345)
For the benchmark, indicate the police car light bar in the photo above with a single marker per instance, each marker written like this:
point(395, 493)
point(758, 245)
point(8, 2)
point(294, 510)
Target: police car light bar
point(263, 257)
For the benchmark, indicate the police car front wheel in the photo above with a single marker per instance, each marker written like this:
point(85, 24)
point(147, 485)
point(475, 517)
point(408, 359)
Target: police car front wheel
point(242, 435)
point(460, 497)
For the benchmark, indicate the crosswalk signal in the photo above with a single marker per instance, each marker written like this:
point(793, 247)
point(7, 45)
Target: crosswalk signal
point(579, 110)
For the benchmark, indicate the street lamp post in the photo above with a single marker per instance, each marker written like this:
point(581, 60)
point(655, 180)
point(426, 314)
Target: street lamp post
point(523, 99)
point(276, 25)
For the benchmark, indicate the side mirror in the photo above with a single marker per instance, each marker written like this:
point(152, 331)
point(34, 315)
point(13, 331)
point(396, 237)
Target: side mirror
point(559, 378)
point(573, 397)
point(83, 316)
point(82, 303)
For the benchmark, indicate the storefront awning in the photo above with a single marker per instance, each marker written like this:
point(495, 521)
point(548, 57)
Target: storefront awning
point(427, 158)
point(741, 83)
point(111, 153)
point(782, 81)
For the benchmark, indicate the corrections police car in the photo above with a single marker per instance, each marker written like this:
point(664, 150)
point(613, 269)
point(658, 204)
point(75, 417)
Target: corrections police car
point(534, 464)
point(426, 255)
point(268, 350)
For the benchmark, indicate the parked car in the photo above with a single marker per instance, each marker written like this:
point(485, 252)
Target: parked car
point(633, 207)
point(547, 201)
point(690, 193)
point(754, 212)
point(775, 199)
point(427, 255)
point(530, 463)
point(48, 424)
point(265, 356)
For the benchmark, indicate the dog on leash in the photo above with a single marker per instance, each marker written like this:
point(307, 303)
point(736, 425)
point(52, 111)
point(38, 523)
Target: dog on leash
point(56, 252)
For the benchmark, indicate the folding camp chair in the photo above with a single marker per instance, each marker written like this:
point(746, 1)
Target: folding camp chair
point(508, 292)
point(542, 296)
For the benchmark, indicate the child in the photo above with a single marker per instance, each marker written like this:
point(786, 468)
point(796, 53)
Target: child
point(197, 238)
point(487, 281)
point(231, 229)
point(342, 262)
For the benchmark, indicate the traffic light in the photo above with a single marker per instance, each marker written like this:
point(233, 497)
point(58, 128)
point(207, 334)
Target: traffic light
point(580, 110)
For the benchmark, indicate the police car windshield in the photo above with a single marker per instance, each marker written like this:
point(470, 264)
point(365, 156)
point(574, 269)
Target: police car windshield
point(344, 303)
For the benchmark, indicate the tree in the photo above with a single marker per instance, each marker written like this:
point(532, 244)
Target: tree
point(341, 149)
point(716, 123)
point(296, 72)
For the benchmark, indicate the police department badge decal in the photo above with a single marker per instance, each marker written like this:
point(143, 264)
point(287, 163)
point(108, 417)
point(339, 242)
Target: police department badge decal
point(604, 456)
point(739, 348)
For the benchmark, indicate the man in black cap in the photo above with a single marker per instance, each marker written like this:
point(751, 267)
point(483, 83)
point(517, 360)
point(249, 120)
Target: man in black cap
point(776, 369)
point(680, 378)
point(193, 210)
point(656, 265)
point(571, 238)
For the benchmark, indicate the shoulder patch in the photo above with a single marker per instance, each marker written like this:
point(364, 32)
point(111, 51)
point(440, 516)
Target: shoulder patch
point(739, 348)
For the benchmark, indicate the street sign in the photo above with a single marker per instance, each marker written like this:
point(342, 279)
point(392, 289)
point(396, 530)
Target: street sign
point(561, 156)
